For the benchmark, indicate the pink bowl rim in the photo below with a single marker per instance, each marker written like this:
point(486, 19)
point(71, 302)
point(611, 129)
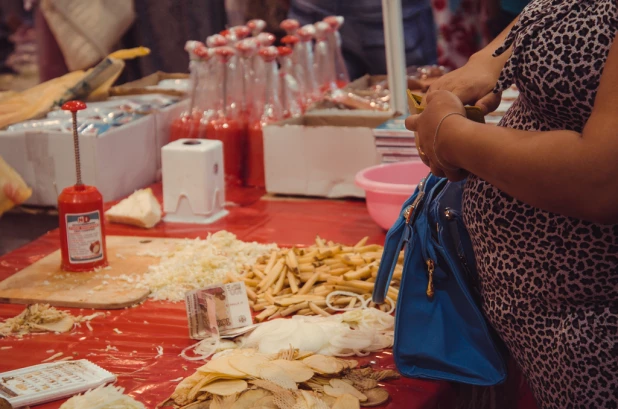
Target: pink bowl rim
point(382, 187)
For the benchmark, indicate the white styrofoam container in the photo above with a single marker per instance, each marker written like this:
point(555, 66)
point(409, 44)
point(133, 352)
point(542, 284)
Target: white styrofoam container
point(117, 162)
point(321, 153)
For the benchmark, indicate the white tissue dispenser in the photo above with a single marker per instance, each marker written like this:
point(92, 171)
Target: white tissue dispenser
point(193, 181)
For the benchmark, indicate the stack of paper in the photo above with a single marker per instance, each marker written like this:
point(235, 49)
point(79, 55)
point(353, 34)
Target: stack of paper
point(394, 142)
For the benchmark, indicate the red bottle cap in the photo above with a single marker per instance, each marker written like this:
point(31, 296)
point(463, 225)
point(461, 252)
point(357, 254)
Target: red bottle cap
point(216, 40)
point(290, 40)
point(202, 52)
point(192, 45)
point(322, 29)
point(256, 26)
point(247, 48)
point(306, 33)
point(289, 25)
point(334, 22)
point(266, 39)
point(284, 51)
point(225, 54)
point(73, 106)
point(269, 54)
point(240, 32)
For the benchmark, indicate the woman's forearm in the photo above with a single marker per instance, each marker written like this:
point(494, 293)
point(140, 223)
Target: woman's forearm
point(557, 171)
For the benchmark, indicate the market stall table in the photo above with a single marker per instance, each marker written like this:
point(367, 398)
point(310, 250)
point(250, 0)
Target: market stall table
point(128, 342)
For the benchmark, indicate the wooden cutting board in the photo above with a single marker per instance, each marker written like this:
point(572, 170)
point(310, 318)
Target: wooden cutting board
point(44, 282)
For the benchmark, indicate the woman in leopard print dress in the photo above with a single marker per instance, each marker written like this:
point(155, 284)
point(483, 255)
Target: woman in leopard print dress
point(541, 200)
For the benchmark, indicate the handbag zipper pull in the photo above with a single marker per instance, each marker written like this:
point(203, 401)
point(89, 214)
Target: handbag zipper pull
point(407, 213)
point(430, 269)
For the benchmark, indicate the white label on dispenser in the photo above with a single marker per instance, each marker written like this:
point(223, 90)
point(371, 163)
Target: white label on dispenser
point(84, 237)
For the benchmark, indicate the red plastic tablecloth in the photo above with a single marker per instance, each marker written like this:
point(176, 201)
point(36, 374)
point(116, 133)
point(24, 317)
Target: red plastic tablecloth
point(150, 379)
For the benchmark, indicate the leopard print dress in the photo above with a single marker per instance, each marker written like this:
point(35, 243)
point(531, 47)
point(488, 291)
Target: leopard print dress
point(549, 283)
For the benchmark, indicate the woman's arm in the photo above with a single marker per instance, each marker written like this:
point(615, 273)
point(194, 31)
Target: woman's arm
point(474, 82)
point(561, 171)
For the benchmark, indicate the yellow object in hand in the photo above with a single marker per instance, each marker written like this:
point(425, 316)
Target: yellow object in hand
point(473, 113)
point(13, 189)
point(130, 53)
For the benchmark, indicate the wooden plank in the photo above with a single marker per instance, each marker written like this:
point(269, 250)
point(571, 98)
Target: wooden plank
point(111, 288)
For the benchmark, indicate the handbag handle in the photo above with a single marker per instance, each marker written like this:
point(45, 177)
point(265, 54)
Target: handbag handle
point(395, 239)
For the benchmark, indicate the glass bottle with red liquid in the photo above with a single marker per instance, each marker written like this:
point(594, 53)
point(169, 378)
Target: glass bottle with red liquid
point(246, 50)
point(187, 125)
point(334, 38)
point(206, 100)
point(324, 61)
point(80, 212)
point(305, 64)
point(259, 67)
point(267, 110)
point(227, 126)
point(290, 90)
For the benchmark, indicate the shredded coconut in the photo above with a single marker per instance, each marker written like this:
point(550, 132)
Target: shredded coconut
point(196, 264)
point(104, 397)
point(51, 358)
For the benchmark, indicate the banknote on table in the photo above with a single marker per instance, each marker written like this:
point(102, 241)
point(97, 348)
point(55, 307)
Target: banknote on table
point(231, 309)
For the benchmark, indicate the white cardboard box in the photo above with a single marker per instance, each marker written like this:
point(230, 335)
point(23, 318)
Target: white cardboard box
point(321, 153)
point(117, 162)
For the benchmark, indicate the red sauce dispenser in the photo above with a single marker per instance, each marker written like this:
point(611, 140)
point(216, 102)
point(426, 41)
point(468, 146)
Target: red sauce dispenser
point(80, 208)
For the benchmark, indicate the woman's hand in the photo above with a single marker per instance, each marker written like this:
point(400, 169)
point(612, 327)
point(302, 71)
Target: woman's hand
point(440, 104)
point(473, 84)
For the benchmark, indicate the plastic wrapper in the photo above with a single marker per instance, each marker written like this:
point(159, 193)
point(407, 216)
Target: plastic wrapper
point(99, 117)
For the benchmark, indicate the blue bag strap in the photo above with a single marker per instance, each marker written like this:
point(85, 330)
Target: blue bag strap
point(395, 240)
point(392, 246)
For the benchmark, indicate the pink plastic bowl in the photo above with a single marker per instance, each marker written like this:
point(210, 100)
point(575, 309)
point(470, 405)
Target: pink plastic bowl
point(388, 186)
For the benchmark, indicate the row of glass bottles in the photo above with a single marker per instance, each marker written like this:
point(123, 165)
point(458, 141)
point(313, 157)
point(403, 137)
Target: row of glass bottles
point(240, 82)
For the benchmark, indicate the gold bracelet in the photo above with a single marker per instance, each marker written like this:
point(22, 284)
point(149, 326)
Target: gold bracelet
point(435, 138)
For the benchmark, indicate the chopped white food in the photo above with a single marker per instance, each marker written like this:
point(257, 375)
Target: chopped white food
point(104, 397)
point(51, 358)
point(117, 331)
point(41, 318)
point(195, 264)
point(159, 352)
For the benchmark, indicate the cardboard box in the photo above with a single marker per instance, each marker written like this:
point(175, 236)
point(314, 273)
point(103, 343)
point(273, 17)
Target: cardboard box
point(117, 162)
point(321, 153)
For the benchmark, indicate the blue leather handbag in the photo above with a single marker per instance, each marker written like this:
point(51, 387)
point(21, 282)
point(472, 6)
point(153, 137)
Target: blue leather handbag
point(440, 332)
